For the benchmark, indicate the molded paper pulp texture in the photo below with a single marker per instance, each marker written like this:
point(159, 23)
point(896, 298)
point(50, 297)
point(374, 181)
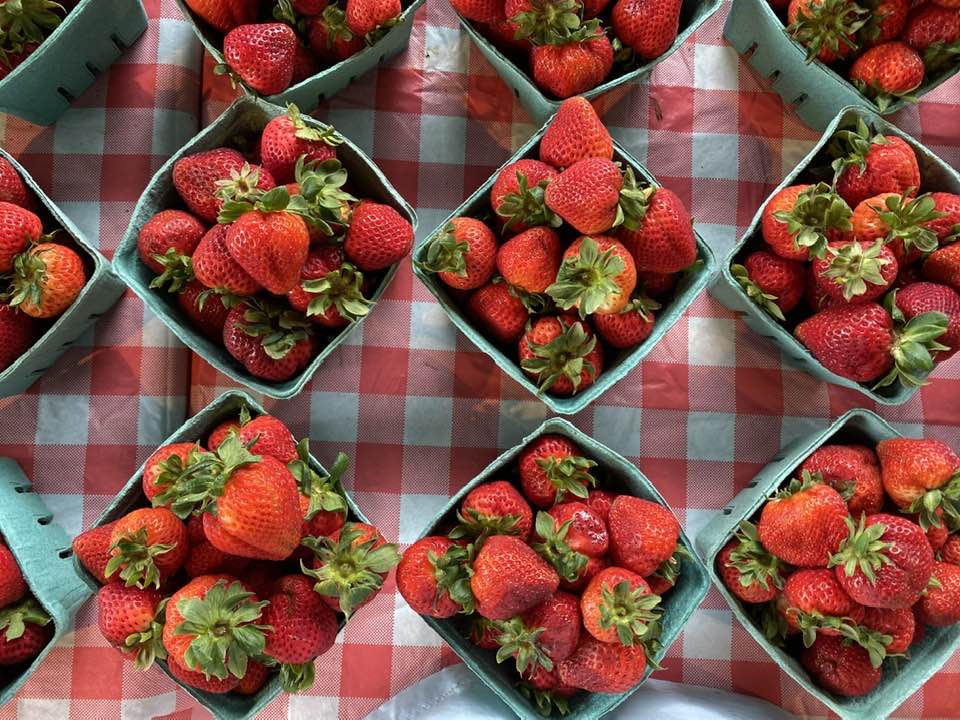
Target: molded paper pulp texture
point(244, 118)
point(926, 656)
point(229, 706)
point(616, 363)
point(936, 174)
point(42, 550)
point(90, 38)
point(816, 91)
point(616, 473)
point(100, 292)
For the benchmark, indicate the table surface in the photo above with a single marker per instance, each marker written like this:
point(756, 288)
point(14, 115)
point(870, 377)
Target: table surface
point(419, 410)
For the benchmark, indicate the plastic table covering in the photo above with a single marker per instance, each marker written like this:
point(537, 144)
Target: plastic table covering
point(416, 407)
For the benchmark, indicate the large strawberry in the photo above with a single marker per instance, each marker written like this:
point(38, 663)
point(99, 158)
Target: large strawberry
point(593, 196)
point(517, 195)
point(366, 17)
point(855, 272)
point(165, 468)
point(618, 607)
point(943, 266)
point(531, 260)
point(92, 549)
point(147, 547)
point(12, 188)
point(433, 578)
point(269, 341)
point(643, 534)
point(922, 297)
point(648, 27)
point(500, 314)
point(378, 237)
point(947, 226)
point(552, 469)
point(131, 619)
point(542, 636)
point(463, 254)
point(886, 22)
point(940, 606)
point(799, 220)
point(853, 471)
point(898, 625)
point(202, 179)
point(510, 578)
point(168, 230)
point(224, 15)
point(267, 435)
point(575, 133)
point(586, 532)
point(561, 354)
point(47, 278)
point(574, 64)
point(25, 629)
point(898, 221)
point(603, 667)
point(261, 56)
point(921, 476)
point(18, 229)
point(18, 332)
point(867, 165)
point(663, 241)
point(888, 71)
point(216, 269)
point(840, 667)
point(629, 327)
point(12, 585)
point(827, 28)
point(571, 565)
point(494, 508)
point(597, 275)
point(771, 281)
point(287, 138)
point(748, 569)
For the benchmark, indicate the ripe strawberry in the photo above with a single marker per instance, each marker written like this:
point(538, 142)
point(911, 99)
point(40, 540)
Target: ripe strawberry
point(224, 15)
point(597, 276)
point(934, 30)
point(18, 332)
point(888, 71)
point(923, 297)
point(950, 552)
point(287, 138)
point(18, 229)
point(270, 245)
point(481, 11)
point(936, 536)
point(886, 22)
point(630, 327)
point(330, 38)
point(205, 311)
point(12, 188)
point(323, 506)
point(815, 603)
point(584, 575)
point(827, 28)
point(575, 133)
point(664, 241)
point(839, 667)
point(463, 254)
point(202, 179)
point(869, 165)
point(269, 436)
point(270, 342)
point(898, 624)
point(517, 195)
point(947, 226)
point(510, 578)
point(494, 508)
point(920, 476)
point(587, 532)
point(747, 569)
point(220, 432)
point(147, 547)
point(12, 585)
point(542, 636)
point(618, 607)
point(597, 666)
point(205, 559)
point(432, 577)
point(897, 221)
point(643, 534)
point(47, 278)
point(502, 33)
point(851, 470)
point(92, 549)
point(574, 65)
point(198, 680)
point(309, 8)
point(552, 470)
point(804, 523)
point(168, 229)
point(165, 468)
point(855, 272)
point(800, 220)
point(483, 633)
point(366, 16)
point(588, 195)
point(600, 502)
point(940, 606)
point(261, 56)
point(130, 619)
point(378, 237)
point(331, 292)
point(561, 354)
point(25, 629)
point(772, 282)
point(216, 269)
point(500, 314)
point(648, 27)
point(943, 266)
point(255, 678)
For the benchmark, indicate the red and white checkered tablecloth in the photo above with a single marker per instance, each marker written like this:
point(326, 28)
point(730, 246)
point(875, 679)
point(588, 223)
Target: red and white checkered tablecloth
point(419, 410)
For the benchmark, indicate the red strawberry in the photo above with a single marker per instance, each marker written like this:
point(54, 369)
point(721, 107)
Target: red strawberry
point(772, 282)
point(494, 508)
point(256, 677)
point(552, 470)
point(481, 11)
point(463, 255)
point(855, 272)
point(936, 536)
point(500, 314)
point(575, 133)
point(517, 195)
point(168, 229)
point(305, 65)
point(934, 30)
point(207, 312)
point(919, 476)
point(205, 559)
point(747, 569)
point(432, 577)
point(331, 292)
point(12, 188)
point(483, 633)
point(147, 547)
point(271, 246)
point(950, 552)
point(221, 431)
point(561, 354)
point(287, 138)
point(270, 342)
point(309, 8)
point(886, 22)
point(378, 237)
point(946, 227)
point(940, 606)
point(165, 468)
point(323, 506)
point(128, 619)
point(542, 636)
point(618, 607)
point(510, 578)
point(827, 28)
point(587, 195)
point(224, 15)
point(643, 534)
point(12, 585)
point(597, 276)
point(502, 33)
point(600, 502)
point(630, 327)
point(584, 575)
point(587, 533)
point(817, 604)
point(366, 16)
point(262, 56)
point(330, 38)
point(648, 27)
point(25, 629)
point(840, 668)
point(851, 470)
point(47, 278)
point(888, 71)
point(18, 332)
point(799, 220)
point(943, 266)
point(92, 549)
point(869, 165)
point(271, 437)
point(924, 297)
point(202, 178)
point(664, 241)
point(18, 228)
point(572, 66)
point(597, 666)
point(899, 221)
point(898, 624)
point(216, 269)
point(195, 679)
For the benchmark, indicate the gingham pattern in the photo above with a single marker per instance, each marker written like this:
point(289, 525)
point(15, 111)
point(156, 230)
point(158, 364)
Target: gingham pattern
point(413, 403)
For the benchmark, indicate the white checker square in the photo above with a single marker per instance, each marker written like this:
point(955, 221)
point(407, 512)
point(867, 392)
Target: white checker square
point(696, 520)
point(707, 635)
point(619, 427)
point(428, 421)
point(446, 49)
point(62, 419)
point(409, 628)
point(80, 132)
point(715, 155)
point(716, 67)
point(430, 328)
point(441, 139)
point(309, 706)
point(333, 416)
point(43, 709)
point(148, 707)
point(710, 436)
point(416, 510)
point(86, 216)
point(159, 417)
point(178, 45)
point(711, 341)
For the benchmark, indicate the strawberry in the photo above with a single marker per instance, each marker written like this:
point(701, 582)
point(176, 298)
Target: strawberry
point(552, 469)
point(600, 502)
point(561, 354)
point(597, 276)
point(772, 282)
point(221, 431)
point(940, 606)
point(12, 188)
point(517, 195)
point(255, 678)
point(886, 22)
point(868, 165)
point(47, 278)
point(196, 679)
point(267, 435)
point(168, 229)
point(936, 536)
point(12, 585)
point(570, 564)
point(18, 332)
point(378, 236)
point(664, 241)
point(165, 468)
point(323, 506)
point(943, 266)
point(463, 254)
point(593, 196)
point(494, 508)
point(432, 577)
point(216, 269)
point(367, 16)
point(92, 549)
point(618, 607)
point(224, 15)
point(851, 470)
point(131, 619)
point(331, 40)
point(575, 133)
point(799, 220)
point(924, 297)
point(815, 603)
point(855, 272)
point(205, 559)
point(202, 179)
point(827, 28)
point(483, 633)
point(481, 11)
point(804, 523)
point(542, 636)
point(510, 578)
point(587, 532)
point(950, 552)
point(898, 624)
point(947, 226)
point(885, 562)
point(574, 64)
point(648, 27)
point(544, 689)
point(502, 33)
point(543, 21)
point(921, 476)
point(839, 667)
point(331, 292)
point(205, 311)
point(897, 221)
point(287, 138)
point(18, 229)
point(628, 328)
point(261, 56)
point(747, 569)
point(25, 629)
point(302, 629)
point(597, 666)
point(270, 342)
point(584, 575)
point(888, 71)
point(934, 30)
point(147, 547)
point(500, 314)
point(643, 534)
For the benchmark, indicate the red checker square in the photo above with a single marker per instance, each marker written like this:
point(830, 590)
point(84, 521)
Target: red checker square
point(940, 401)
point(386, 127)
point(933, 116)
point(670, 478)
point(48, 679)
point(843, 399)
point(399, 90)
point(402, 174)
point(940, 695)
point(24, 408)
point(366, 671)
point(422, 467)
point(757, 437)
point(383, 371)
point(448, 657)
point(760, 113)
point(202, 373)
point(124, 176)
point(713, 673)
point(339, 372)
point(714, 110)
point(465, 464)
point(714, 200)
point(116, 371)
point(760, 679)
point(177, 88)
point(474, 176)
point(712, 388)
point(132, 85)
point(107, 468)
point(665, 385)
point(328, 669)
point(103, 427)
point(671, 108)
point(389, 325)
point(475, 374)
point(759, 391)
point(74, 176)
point(59, 469)
point(745, 472)
point(106, 683)
point(376, 467)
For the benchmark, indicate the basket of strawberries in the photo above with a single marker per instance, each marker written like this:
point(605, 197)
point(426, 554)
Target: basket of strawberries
point(39, 592)
point(249, 245)
point(842, 560)
point(851, 267)
point(569, 264)
point(232, 559)
point(299, 51)
point(559, 575)
point(53, 283)
point(823, 55)
point(51, 52)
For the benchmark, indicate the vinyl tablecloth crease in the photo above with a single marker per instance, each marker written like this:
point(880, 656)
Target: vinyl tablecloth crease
point(414, 404)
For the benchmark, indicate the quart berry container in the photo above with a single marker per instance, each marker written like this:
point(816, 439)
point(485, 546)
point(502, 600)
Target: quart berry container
point(99, 294)
point(617, 363)
point(309, 93)
point(85, 44)
point(42, 550)
point(925, 657)
point(618, 474)
point(816, 91)
point(936, 174)
point(228, 706)
point(542, 106)
point(245, 115)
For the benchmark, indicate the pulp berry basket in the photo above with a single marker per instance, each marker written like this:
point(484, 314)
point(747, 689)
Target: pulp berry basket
point(85, 44)
point(816, 91)
point(42, 550)
point(936, 174)
point(245, 116)
point(309, 93)
point(618, 474)
point(513, 68)
point(618, 363)
point(98, 295)
point(227, 706)
point(926, 657)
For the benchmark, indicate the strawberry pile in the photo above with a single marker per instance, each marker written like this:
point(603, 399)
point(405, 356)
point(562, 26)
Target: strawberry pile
point(569, 47)
point(886, 48)
point(271, 255)
point(571, 596)
point(578, 248)
point(24, 25)
point(242, 564)
point(270, 46)
point(865, 270)
point(25, 627)
point(852, 558)
point(39, 276)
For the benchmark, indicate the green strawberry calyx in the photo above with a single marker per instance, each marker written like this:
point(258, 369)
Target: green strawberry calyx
point(546, 701)
point(584, 32)
point(850, 146)
point(471, 523)
point(14, 618)
point(147, 645)
point(863, 550)
point(907, 221)
point(340, 289)
point(240, 187)
point(522, 642)
point(280, 329)
point(806, 481)
point(914, 344)
point(853, 266)
point(335, 21)
point(628, 611)
point(29, 277)
point(944, 499)
point(297, 677)
point(23, 22)
point(564, 356)
point(753, 562)
point(452, 571)
point(587, 280)
point(568, 563)
point(669, 569)
point(771, 621)
point(446, 253)
point(322, 202)
point(827, 25)
point(548, 21)
point(304, 131)
point(818, 210)
point(941, 55)
point(874, 642)
point(135, 558)
point(325, 492)
point(177, 271)
point(634, 201)
point(526, 206)
point(766, 301)
point(224, 630)
point(569, 474)
point(884, 97)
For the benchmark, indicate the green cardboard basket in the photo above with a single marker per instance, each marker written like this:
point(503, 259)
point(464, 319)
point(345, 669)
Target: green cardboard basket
point(937, 175)
point(246, 115)
point(42, 550)
point(85, 44)
point(617, 364)
point(926, 657)
point(622, 476)
point(309, 93)
point(693, 14)
point(98, 295)
point(228, 706)
point(816, 91)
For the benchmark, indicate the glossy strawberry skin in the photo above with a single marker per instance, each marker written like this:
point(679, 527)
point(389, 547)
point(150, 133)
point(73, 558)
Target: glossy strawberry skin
point(224, 15)
point(27, 646)
point(12, 188)
point(92, 549)
point(922, 297)
point(891, 167)
point(500, 314)
point(482, 11)
point(378, 236)
point(586, 195)
point(168, 229)
point(572, 68)
point(12, 585)
point(892, 67)
point(530, 260)
point(215, 268)
point(948, 204)
point(18, 332)
point(898, 624)
point(162, 528)
point(537, 486)
point(262, 55)
point(833, 290)
point(303, 626)
point(123, 611)
point(940, 607)
point(950, 552)
point(817, 590)
point(417, 582)
point(841, 669)
point(643, 534)
point(943, 266)
point(603, 667)
point(510, 578)
point(911, 467)
point(365, 16)
point(777, 276)
point(588, 532)
point(496, 500)
point(575, 133)
point(18, 228)
point(853, 341)
point(335, 49)
point(195, 178)
point(775, 233)
point(152, 469)
point(280, 148)
point(623, 330)
point(480, 257)
point(211, 317)
point(665, 242)
point(649, 27)
point(806, 528)
point(271, 248)
point(752, 593)
point(268, 435)
point(250, 353)
point(559, 616)
point(850, 468)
